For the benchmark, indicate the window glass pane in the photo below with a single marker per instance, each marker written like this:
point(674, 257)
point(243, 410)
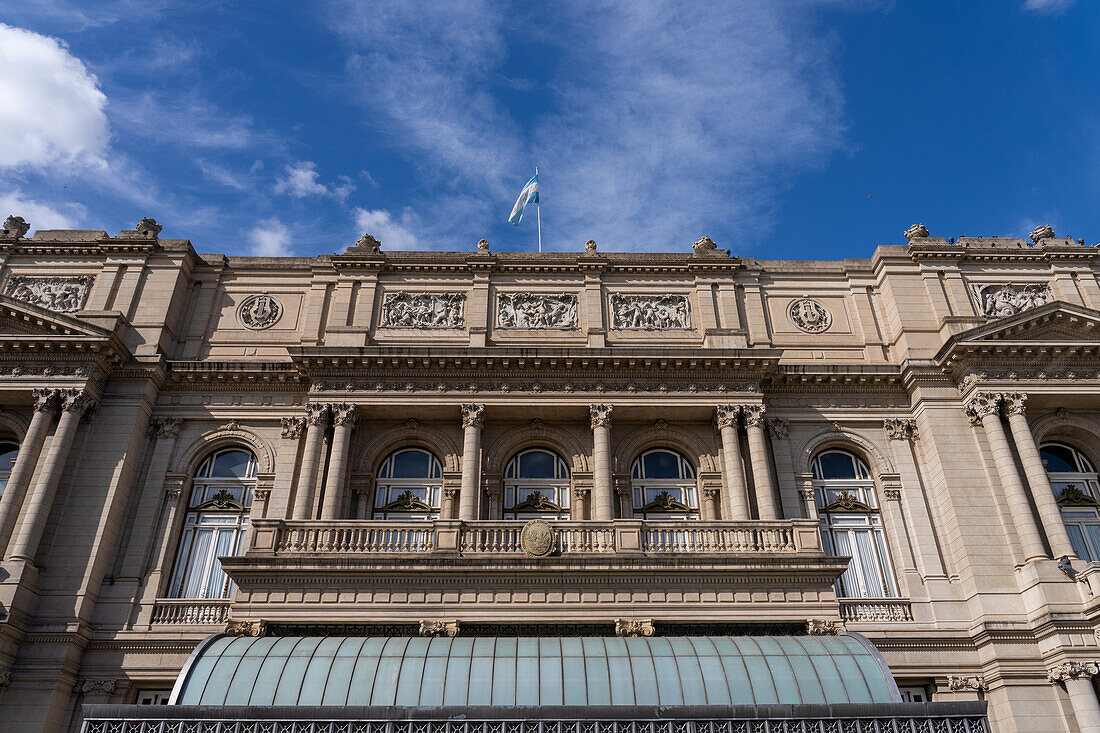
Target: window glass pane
point(836, 465)
point(8, 452)
point(537, 464)
point(1092, 533)
point(661, 464)
point(411, 464)
point(233, 463)
point(1077, 539)
point(1058, 458)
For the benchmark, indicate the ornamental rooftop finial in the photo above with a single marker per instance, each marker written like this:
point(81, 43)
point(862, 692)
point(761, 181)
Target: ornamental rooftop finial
point(483, 245)
point(704, 244)
point(148, 228)
point(1046, 231)
point(15, 227)
point(917, 231)
point(368, 242)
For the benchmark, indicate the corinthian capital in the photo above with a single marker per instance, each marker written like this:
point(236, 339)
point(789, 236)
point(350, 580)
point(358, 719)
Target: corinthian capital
point(754, 415)
point(778, 427)
point(46, 400)
point(76, 400)
point(317, 414)
point(473, 415)
point(726, 415)
point(982, 405)
point(599, 415)
point(1015, 402)
point(344, 414)
point(1073, 670)
point(899, 428)
point(292, 427)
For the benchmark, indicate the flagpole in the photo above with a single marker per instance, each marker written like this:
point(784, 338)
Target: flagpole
point(538, 209)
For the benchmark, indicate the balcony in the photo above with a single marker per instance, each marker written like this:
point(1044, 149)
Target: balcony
point(184, 611)
point(877, 610)
point(625, 537)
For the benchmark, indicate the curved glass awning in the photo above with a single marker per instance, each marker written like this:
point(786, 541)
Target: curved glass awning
point(547, 671)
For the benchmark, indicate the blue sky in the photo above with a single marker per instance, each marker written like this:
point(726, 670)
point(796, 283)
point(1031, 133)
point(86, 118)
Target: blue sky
point(795, 129)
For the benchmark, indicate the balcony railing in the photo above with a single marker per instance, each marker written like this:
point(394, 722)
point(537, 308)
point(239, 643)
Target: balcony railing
point(620, 536)
point(190, 611)
point(875, 609)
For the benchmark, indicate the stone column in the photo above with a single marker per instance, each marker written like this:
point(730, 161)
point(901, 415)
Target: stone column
point(625, 493)
point(603, 502)
point(343, 422)
point(758, 456)
point(808, 494)
point(73, 404)
point(306, 493)
point(286, 463)
point(894, 519)
point(473, 417)
point(737, 496)
point(165, 430)
point(1041, 492)
point(45, 405)
point(779, 431)
point(984, 408)
point(451, 496)
point(901, 433)
point(1077, 677)
point(711, 497)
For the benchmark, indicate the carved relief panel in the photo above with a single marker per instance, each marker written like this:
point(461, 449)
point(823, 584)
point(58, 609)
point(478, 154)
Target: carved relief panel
point(650, 312)
point(424, 310)
point(536, 311)
point(58, 294)
point(1000, 300)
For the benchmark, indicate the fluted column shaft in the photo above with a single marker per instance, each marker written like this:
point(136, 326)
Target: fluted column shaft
point(1041, 492)
point(758, 456)
point(305, 496)
point(73, 404)
point(45, 405)
point(603, 501)
point(985, 408)
point(343, 421)
point(473, 418)
point(737, 496)
point(1086, 707)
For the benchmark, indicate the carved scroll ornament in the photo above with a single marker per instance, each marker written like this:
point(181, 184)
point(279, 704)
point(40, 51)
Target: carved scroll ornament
point(998, 301)
point(650, 312)
point(58, 294)
point(810, 316)
point(527, 310)
point(424, 310)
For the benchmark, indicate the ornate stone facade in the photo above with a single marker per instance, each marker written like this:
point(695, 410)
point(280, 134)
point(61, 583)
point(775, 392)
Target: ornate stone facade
point(366, 424)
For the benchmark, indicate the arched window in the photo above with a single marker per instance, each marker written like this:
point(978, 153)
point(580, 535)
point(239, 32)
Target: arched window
point(664, 486)
point(215, 524)
point(852, 524)
point(9, 451)
point(1077, 488)
point(409, 486)
point(536, 485)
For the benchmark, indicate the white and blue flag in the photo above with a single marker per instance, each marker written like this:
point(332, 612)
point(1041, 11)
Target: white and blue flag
point(529, 195)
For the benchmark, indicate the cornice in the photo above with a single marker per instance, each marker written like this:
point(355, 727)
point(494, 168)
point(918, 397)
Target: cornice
point(235, 375)
point(999, 249)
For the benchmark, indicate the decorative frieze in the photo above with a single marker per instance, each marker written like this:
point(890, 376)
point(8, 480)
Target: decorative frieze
point(1073, 670)
point(424, 310)
point(536, 311)
point(823, 627)
point(998, 301)
point(259, 312)
point(439, 628)
point(634, 627)
point(58, 294)
point(650, 312)
point(246, 628)
point(963, 684)
point(810, 316)
point(96, 686)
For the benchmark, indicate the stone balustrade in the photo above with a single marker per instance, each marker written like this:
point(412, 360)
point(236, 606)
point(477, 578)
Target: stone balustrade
point(190, 611)
point(875, 609)
point(496, 537)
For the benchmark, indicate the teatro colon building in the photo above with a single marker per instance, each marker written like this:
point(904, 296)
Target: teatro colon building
point(561, 492)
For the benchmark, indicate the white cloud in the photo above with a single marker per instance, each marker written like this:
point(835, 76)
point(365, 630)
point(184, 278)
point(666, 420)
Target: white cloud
point(53, 111)
point(660, 121)
point(1048, 6)
point(270, 238)
point(40, 215)
point(394, 234)
point(300, 180)
point(186, 118)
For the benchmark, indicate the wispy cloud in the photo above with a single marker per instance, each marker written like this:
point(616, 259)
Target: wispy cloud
point(41, 215)
point(393, 233)
point(270, 238)
point(1049, 7)
point(301, 180)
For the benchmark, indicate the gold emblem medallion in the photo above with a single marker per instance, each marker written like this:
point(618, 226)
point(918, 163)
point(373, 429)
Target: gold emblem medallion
point(537, 538)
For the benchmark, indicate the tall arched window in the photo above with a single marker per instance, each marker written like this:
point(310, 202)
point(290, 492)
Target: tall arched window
point(536, 485)
point(664, 486)
point(9, 451)
point(852, 524)
point(1077, 488)
point(409, 486)
point(215, 524)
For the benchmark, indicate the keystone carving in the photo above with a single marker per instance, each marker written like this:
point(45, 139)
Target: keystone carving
point(148, 228)
point(900, 428)
point(1073, 670)
point(599, 416)
point(292, 427)
point(634, 627)
point(998, 301)
point(823, 627)
point(424, 310)
point(528, 310)
point(1039, 233)
point(439, 628)
point(15, 227)
point(917, 231)
point(58, 294)
point(650, 312)
point(961, 684)
point(809, 315)
point(246, 628)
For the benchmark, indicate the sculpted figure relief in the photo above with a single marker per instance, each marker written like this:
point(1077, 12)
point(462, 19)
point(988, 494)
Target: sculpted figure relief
point(997, 301)
point(424, 310)
point(261, 311)
point(58, 294)
point(527, 310)
point(650, 312)
point(810, 316)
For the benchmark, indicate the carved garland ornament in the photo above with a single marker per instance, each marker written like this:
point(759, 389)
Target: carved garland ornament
point(259, 312)
point(650, 312)
point(424, 310)
point(998, 301)
point(58, 294)
point(810, 316)
point(527, 310)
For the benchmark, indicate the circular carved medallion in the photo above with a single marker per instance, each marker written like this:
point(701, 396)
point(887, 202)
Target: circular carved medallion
point(537, 538)
point(258, 312)
point(810, 316)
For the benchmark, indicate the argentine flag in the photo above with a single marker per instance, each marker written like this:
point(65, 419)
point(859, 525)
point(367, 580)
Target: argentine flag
point(529, 195)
